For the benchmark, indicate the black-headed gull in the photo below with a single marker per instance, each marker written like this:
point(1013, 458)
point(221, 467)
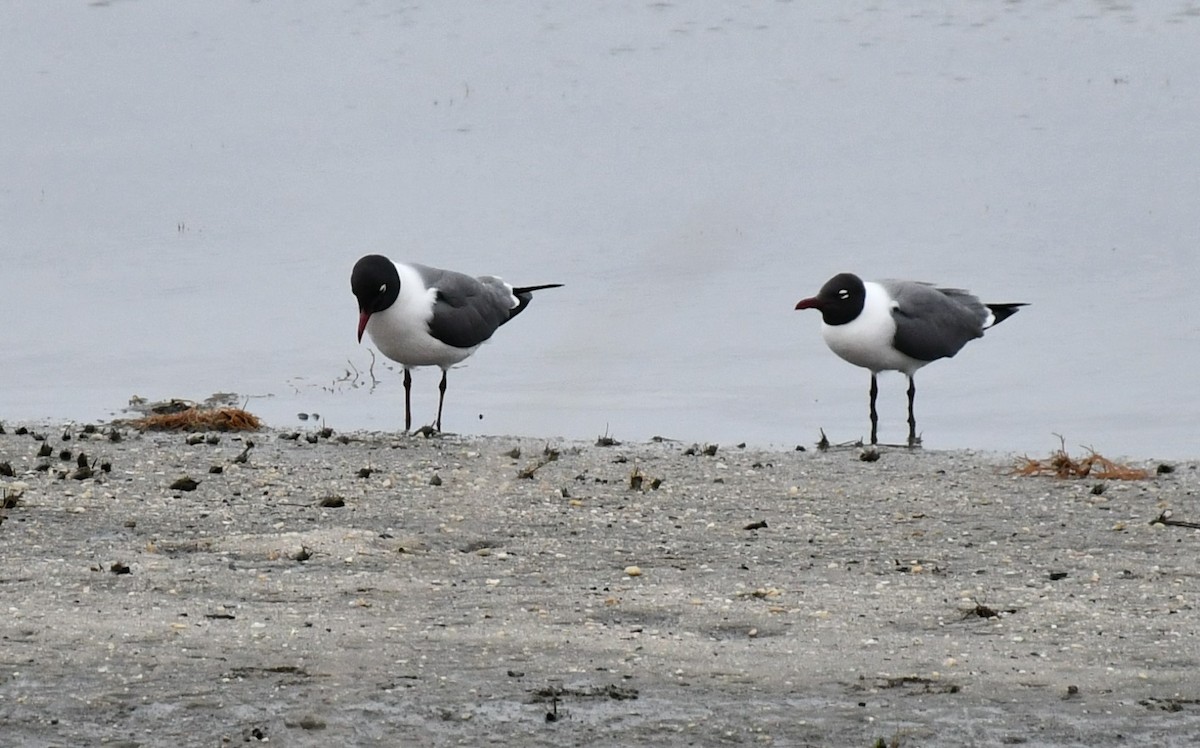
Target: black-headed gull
point(900, 326)
point(423, 316)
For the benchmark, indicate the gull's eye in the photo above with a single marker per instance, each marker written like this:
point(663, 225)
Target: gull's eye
point(383, 288)
point(843, 294)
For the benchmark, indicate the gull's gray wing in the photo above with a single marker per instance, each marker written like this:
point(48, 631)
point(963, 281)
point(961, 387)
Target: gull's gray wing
point(933, 323)
point(466, 310)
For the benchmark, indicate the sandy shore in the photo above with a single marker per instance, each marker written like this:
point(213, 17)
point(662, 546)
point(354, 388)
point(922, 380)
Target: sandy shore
point(393, 590)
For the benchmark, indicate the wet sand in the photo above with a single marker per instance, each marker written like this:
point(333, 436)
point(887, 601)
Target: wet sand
point(381, 589)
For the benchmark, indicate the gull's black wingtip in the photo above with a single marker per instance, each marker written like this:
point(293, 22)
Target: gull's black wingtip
point(517, 291)
point(524, 295)
point(1001, 312)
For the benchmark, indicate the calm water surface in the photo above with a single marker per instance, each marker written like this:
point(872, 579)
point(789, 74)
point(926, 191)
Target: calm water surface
point(185, 187)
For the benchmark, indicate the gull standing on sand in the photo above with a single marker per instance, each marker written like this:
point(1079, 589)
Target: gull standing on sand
point(423, 316)
point(899, 326)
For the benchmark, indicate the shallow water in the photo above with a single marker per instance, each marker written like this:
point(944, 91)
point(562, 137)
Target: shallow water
point(183, 190)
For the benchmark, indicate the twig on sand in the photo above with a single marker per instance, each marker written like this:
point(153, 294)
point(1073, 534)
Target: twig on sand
point(371, 370)
point(548, 456)
point(1165, 519)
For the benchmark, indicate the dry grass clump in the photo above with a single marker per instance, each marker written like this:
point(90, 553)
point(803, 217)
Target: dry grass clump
point(196, 418)
point(1093, 465)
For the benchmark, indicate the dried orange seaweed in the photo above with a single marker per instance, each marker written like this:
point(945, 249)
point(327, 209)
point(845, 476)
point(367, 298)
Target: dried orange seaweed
point(200, 419)
point(1094, 465)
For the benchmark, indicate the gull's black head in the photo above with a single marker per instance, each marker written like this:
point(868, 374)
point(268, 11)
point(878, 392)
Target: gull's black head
point(840, 300)
point(375, 284)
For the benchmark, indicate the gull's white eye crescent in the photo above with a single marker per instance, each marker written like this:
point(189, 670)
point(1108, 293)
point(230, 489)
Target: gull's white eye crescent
point(843, 294)
point(383, 288)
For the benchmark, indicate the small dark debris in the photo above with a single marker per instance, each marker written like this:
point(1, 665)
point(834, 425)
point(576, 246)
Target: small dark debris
point(479, 545)
point(45, 451)
point(759, 525)
point(1164, 469)
point(823, 442)
point(607, 441)
point(114, 436)
point(291, 436)
point(185, 484)
point(516, 673)
point(120, 568)
point(983, 611)
point(1072, 692)
point(82, 460)
point(256, 733)
point(221, 616)
point(311, 438)
point(1098, 489)
point(309, 722)
point(1057, 575)
point(514, 453)
point(244, 455)
point(304, 554)
point(655, 484)
point(194, 439)
point(926, 685)
point(82, 473)
point(610, 691)
point(870, 454)
point(364, 472)
point(65, 455)
point(325, 433)
point(167, 407)
point(436, 480)
point(6, 469)
point(212, 439)
point(216, 469)
point(332, 502)
point(21, 431)
point(88, 429)
point(1168, 705)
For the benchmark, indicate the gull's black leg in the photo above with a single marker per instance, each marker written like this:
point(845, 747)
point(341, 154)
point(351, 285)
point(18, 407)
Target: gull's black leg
point(407, 400)
point(441, 398)
point(874, 415)
point(913, 439)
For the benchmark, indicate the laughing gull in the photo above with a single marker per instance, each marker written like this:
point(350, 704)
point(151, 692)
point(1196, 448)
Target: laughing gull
point(900, 326)
point(422, 316)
